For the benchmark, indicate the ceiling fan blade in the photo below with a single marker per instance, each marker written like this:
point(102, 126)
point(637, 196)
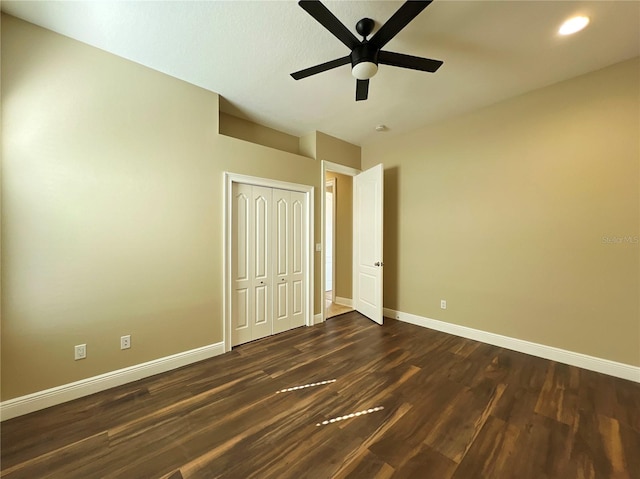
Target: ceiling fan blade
point(407, 12)
point(409, 61)
point(329, 21)
point(323, 67)
point(362, 89)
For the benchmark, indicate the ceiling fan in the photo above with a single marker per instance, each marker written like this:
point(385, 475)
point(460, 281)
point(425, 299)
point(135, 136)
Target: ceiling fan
point(366, 55)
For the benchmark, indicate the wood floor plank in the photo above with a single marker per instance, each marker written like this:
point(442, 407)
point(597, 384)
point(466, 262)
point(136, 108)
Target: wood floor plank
point(405, 437)
point(454, 435)
point(436, 406)
point(174, 475)
point(426, 462)
point(491, 453)
point(543, 448)
point(64, 459)
point(621, 458)
point(630, 439)
point(366, 464)
point(627, 404)
point(559, 396)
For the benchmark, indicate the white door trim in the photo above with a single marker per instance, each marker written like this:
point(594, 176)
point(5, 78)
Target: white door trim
point(343, 170)
point(229, 179)
point(332, 183)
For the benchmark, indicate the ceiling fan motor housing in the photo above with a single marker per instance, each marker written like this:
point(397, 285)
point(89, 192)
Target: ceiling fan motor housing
point(364, 61)
point(365, 52)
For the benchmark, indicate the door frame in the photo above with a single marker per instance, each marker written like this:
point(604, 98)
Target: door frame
point(332, 183)
point(343, 170)
point(227, 204)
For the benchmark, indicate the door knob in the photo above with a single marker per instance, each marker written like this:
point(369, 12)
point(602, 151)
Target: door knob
point(379, 263)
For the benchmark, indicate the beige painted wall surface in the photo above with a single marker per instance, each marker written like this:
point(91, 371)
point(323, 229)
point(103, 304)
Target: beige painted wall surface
point(112, 195)
point(246, 130)
point(307, 145)
point(330, 148)
point(344, 234)
point(513, 213)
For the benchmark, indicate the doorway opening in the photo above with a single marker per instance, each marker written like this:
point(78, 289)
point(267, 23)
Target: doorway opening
point(337, 238)
point(329, 237)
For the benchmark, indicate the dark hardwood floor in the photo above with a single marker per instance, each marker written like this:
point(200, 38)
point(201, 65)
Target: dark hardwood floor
point(437, 406)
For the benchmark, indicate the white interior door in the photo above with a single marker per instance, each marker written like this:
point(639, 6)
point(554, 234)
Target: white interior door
point(367, 242)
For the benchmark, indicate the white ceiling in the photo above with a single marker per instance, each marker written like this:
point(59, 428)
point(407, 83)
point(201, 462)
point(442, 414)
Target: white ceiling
point(245, 50)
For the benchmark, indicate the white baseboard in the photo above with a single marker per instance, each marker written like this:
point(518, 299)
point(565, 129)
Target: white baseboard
point(67, 392)
point(348, 302)
point(605, 366)
point(317, 319)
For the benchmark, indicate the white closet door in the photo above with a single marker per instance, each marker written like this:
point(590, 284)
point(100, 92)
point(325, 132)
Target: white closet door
point(251, 263)
point(299, 251)
point(242, 251)
point(269, 255)
point(261, 271)
point(281, 260)
point(289, 258)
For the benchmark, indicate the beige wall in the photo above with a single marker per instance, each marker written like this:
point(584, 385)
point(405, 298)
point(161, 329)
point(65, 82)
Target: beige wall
point(112, 195)
point(246, 130)
point(333, 149)
point(505, 213)
point(343, 234)
point(307, 144)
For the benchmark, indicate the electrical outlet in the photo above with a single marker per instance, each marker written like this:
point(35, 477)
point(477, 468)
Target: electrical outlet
point(80, 351)
point(443, 304)
point(125, 342)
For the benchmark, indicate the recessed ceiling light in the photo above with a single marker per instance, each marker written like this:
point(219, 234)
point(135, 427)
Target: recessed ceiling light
point(381, 128)
point(573, 25)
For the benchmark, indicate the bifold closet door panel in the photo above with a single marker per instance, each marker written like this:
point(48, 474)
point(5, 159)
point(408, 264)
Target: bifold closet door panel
point(281, 260)
point(251, 263)
point(241, 261)
point(299, 251)
point(290, 251)
point(261, 273)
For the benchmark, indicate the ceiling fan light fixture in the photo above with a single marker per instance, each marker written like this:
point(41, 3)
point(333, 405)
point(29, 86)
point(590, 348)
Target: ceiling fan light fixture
point(367, 53)
point(573, 25)
point(364, 70)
